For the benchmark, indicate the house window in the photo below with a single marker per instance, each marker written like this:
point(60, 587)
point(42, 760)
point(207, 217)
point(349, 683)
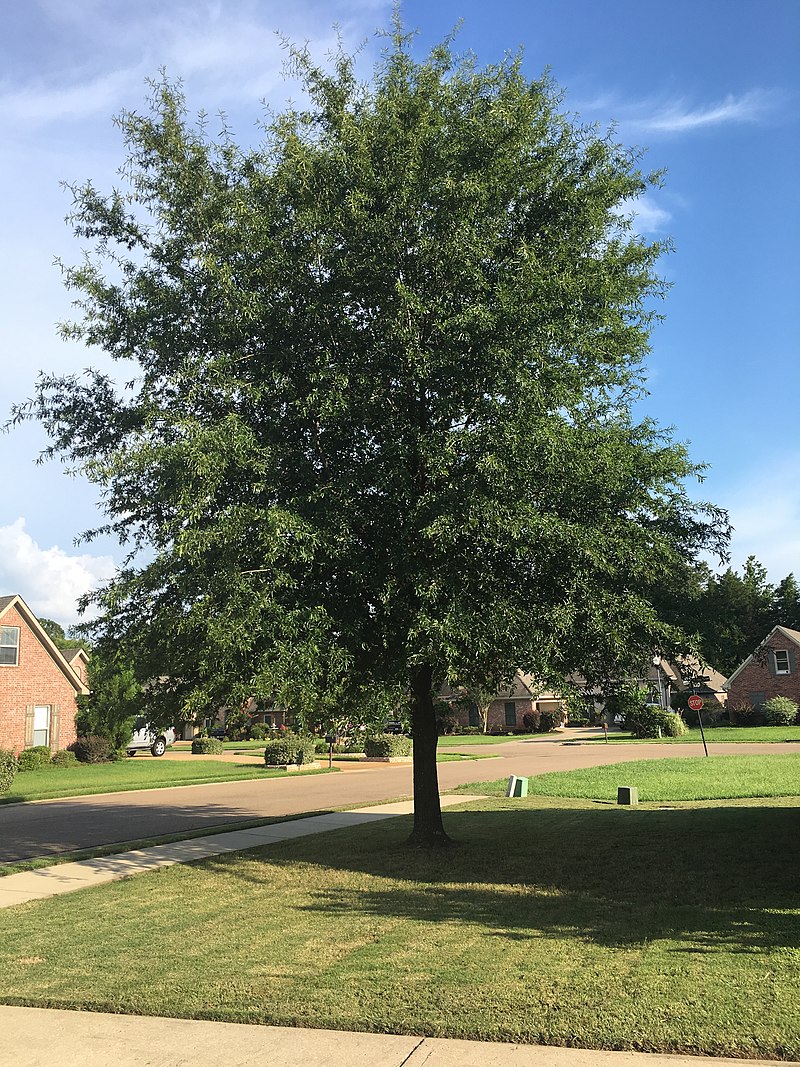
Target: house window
point(9, 646)
point(473, 715)
point(41, 724)
point(782, 661)
point(511, 713)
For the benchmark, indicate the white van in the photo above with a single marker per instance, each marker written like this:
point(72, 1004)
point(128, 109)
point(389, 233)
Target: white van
point(144, 736)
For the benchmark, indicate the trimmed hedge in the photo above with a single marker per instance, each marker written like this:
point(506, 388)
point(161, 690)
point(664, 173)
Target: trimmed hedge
point(780, 711)
point(382, 746)
point(207, 746)
point(8, 769)
point(91, 749)
point(284, 751)
point(33, 759)
point(62, 758)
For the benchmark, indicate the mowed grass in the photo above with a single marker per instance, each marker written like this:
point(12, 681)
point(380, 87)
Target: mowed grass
point(448, 740)
point(693, 778)
point(551, 921)
point(86, 779)
point(728, 734)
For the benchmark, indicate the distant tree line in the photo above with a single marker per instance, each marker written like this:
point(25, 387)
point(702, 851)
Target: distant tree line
point(733, 612)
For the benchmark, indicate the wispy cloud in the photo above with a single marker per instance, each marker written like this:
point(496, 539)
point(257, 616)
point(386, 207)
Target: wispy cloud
point(681, 117)
point(50, 580)
point(224, 52)
point(647, 217)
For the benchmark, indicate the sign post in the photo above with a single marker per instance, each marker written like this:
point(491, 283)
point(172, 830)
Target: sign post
point(695, 702)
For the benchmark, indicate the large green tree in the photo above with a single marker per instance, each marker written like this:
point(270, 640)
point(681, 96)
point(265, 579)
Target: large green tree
point(377, 423)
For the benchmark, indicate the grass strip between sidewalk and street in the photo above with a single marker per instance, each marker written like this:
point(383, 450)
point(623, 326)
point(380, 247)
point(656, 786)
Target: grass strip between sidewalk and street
point(87, 779)
point(556, 921)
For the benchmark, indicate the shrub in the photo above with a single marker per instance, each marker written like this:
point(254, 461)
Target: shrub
point(91, 749)
point(446, 723)
point(284, 751)
point(578, 720)
point(712, 713)
point(206, 746)
point(549, 721)
point(654, 722)
point(745, 715)
point(780, 711)
point(259, 731)
point(383, 745)
point(530, 720)
point(33, 759)
point(63, 758)
point(8, 769)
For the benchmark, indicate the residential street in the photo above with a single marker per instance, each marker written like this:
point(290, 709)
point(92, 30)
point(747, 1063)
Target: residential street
point(49, 827)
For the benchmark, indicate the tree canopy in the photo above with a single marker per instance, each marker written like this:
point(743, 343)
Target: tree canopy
point(373, 422)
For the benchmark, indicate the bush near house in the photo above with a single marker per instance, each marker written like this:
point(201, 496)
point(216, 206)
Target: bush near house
point(745, 715)
point(63, 758)
point(542, 722)
point(288, 750)
point(33, 759)
point(780, 711)
point(655, 722)
point(206, 746)
point(383, 746)
point(8, 769)
point(91, 749)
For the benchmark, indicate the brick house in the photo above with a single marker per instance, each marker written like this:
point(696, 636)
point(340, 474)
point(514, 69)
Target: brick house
point(771, 670)
point(38, 686)
point(506, 710)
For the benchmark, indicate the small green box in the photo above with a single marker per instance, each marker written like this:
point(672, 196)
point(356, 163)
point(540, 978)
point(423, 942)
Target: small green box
point(627, 794)
point(517, 787)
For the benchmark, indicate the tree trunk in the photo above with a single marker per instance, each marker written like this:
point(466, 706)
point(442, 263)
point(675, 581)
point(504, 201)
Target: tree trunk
point(428, 829)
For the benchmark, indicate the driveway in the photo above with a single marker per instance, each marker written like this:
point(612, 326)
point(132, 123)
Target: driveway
point(50, 827)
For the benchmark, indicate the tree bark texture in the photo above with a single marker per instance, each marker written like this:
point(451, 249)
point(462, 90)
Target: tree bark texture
point(428, 829)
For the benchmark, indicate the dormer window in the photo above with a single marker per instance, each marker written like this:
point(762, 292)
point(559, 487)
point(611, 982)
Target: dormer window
point(782, 661)
point(9, 646)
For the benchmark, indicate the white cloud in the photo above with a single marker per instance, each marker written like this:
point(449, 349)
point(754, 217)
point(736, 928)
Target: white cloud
point(646, 215)
point(678, 117)
point(49, 580)
point(224, 52)
point(662, 115)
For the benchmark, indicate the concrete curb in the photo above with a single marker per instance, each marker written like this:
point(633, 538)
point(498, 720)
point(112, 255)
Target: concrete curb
point(40, 1037)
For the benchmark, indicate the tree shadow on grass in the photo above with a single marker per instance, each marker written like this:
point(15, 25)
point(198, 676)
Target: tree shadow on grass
point(723, 879)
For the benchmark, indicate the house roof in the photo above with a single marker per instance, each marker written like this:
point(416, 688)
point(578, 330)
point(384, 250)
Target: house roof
point(71, 654)
point(792, 635)
point(15, 601)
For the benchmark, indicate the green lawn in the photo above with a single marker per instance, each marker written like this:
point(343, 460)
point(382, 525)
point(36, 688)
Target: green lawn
point(739, 734)
point(694, 778)
point(448, 740)
point(86, 779)
point(552, 921)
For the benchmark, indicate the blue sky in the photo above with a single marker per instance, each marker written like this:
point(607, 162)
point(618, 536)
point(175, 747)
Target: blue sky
point(710, 87)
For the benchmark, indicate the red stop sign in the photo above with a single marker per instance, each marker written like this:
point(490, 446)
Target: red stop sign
point(695, 703)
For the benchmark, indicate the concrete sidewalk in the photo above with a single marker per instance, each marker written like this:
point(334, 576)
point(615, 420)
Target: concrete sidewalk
point(40, 1037)
point(69, 877)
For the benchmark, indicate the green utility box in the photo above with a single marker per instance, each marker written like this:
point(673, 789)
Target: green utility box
point(517, 787)
point(627, 794)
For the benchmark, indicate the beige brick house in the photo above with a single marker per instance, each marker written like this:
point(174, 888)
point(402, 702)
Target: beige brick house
point(38, 686)
point(770, 671)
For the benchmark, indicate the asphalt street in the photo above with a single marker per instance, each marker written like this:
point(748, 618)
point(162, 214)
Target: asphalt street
point(45, 828)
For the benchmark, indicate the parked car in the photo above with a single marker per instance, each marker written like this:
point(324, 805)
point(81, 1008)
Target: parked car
point(146, 736)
